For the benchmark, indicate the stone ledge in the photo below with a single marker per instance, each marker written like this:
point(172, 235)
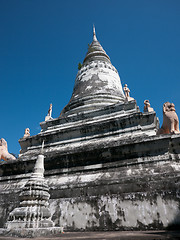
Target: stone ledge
point(125, 235)
point(31, 232)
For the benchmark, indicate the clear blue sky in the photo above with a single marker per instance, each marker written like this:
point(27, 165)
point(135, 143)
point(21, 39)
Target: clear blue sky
point(42, 42)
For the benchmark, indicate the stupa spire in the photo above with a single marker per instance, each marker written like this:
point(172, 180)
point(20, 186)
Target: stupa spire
point(94, 34)
point(97, 83)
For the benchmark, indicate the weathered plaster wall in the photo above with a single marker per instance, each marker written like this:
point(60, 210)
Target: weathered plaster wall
point(124, 186)
point(114, 213)
point(140, 197)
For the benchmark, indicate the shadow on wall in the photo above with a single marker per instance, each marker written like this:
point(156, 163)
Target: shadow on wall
point(175, 224)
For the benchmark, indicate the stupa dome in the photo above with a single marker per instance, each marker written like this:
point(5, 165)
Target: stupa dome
point(97, 83)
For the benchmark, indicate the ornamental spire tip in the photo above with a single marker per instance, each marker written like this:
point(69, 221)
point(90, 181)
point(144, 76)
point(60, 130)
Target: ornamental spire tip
point(94, 33)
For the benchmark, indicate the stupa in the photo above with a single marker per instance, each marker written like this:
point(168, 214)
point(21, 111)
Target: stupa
point(106, 167)
point(32, 217)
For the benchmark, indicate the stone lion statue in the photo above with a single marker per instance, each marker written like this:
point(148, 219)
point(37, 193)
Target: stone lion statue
point(4, 151)
point(170, 120)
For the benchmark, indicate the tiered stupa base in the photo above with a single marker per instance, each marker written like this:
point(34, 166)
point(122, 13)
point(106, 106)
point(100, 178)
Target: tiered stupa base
point(74, 133)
